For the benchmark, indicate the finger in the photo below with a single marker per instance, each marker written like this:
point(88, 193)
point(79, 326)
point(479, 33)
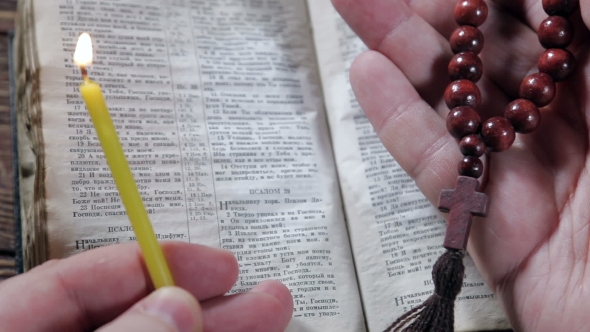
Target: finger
point(169, 309)
point(503, 14)
point(406, 34)
point(267, 307)
point(581, 26)
point(94, 287)
point(585, 12)
point(532, 14)
point(511, 47)
point(392, 28)
point(415, 136)
point(420, 52)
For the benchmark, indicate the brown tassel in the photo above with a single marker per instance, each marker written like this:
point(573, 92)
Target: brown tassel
point(436, 314)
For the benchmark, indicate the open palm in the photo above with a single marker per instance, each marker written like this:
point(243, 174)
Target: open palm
point(533, 248)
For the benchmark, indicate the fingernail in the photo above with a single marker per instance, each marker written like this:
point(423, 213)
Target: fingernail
point(280, 292)
point(174, 306)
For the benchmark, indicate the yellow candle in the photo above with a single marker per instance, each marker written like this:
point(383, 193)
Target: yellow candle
point(105, 130)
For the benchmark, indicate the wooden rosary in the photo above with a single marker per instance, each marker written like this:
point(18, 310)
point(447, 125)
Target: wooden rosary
point(495, 134)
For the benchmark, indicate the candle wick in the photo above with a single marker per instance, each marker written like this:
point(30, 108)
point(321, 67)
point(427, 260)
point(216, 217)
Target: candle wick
point(84, 73)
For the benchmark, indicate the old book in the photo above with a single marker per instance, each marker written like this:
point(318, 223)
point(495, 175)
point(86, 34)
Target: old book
point(243, 133)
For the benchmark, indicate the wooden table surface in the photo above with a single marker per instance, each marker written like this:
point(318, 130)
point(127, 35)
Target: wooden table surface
point(7, 266)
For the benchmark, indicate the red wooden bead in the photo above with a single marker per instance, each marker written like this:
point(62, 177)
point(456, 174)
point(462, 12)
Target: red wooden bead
point(555, 32)
point(471, 12)
point(524, 115)
point(462, 93)
point(538, 88)
point(557, 63)
point(463, 121)
point(472, 145)
point(465, 65)
point(560, 7)
point(497, 133)
point(470, 166)
point(466, 39)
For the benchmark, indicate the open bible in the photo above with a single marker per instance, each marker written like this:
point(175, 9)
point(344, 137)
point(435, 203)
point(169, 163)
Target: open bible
point(242, 132)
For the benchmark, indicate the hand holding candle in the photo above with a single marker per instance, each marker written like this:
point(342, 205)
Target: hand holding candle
point(105, 130)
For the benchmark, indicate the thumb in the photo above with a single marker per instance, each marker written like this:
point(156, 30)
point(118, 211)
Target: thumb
point(168, 309)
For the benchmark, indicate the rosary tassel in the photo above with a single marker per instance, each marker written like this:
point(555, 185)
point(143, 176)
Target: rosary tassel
point(436, 314)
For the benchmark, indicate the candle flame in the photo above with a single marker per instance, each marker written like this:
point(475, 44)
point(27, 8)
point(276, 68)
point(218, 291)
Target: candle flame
point(83, 53)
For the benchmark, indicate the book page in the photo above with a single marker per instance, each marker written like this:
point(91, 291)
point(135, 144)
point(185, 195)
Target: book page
point(219, 109)
point(396, 233)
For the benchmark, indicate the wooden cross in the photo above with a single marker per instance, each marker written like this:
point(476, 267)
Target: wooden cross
point(463, 202)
